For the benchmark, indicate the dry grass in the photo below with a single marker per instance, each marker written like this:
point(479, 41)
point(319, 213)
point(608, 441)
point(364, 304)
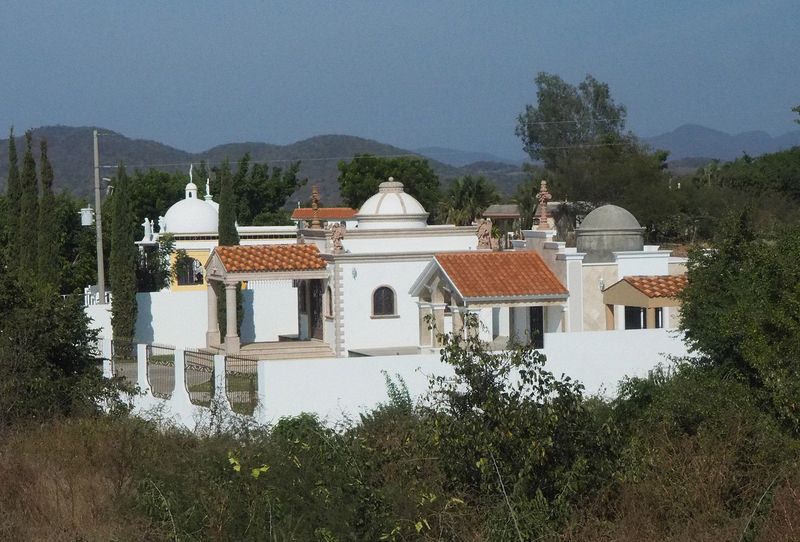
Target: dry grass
point(66, 480)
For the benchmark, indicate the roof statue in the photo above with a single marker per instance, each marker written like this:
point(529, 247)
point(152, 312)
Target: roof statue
point(337, 235)
point(543, 197)
point(190, 172)
point(484, 233)
point(315, 224)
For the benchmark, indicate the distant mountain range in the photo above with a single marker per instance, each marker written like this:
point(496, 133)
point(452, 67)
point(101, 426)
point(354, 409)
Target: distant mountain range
point(70, 151)
point(692, 141)
point(458, 158)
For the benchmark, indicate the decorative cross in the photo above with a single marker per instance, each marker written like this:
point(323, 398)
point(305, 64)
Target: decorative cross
point(315, 224)
point(543, 197)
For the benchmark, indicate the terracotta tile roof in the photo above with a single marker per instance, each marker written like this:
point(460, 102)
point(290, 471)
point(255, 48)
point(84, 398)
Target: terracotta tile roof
point(324, 213)
point(658, 285)
point(255, 258)
point(500, 274)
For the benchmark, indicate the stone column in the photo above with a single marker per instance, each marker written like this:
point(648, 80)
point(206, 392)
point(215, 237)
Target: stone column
point(650, 318)
point(458, 321)
point(424, 333)
point(212, 334)
point(232, 333)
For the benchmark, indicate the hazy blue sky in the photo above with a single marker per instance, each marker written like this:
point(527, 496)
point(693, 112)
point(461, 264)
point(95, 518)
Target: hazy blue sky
point(454, 74)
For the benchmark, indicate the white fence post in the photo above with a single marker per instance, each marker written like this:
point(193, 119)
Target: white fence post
point(220, 396)
point(180, 377)
point(105, 353)
point(261, 413)
point(141, 369)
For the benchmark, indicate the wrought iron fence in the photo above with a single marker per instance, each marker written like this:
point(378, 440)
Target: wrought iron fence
point(161, 369)
point(123, 359)
point(198, 370)
point(241, 383)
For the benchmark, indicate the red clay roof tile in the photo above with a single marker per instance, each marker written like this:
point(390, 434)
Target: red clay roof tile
point(324, 213)
point(256, 258)
point(500, 274)
point(658, 285)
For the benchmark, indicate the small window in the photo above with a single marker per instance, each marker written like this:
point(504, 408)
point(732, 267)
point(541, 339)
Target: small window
point(329, 302)
point(383, 302)
point(634, 318)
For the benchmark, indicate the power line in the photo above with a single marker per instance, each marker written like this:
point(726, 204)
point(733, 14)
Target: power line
point(352, 157)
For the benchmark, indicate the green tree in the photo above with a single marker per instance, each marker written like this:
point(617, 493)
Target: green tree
point(13, 194)
point(261, 192)
point(26, 231)
point(228, 235)
point(741, 311)
point(466, 199)
point(49, 242)
point(122, 261)
point(567, 119)
point(359, 179)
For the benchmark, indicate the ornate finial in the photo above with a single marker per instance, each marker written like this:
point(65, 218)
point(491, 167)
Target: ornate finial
point(208, 187)
point(391, 179)
point(315, 224)
point(543, 197)
point(190, 172)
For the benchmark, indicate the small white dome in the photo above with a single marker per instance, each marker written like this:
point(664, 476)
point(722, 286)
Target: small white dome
point(391, 208)
point(191, 215)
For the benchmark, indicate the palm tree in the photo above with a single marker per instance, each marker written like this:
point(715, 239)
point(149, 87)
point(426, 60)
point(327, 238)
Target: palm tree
point(466, 199)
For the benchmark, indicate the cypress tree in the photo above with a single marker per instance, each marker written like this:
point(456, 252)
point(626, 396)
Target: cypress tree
point(27, 239)
point(122, 261)
point(12, 197)
point(228, 235)
point(49, 242)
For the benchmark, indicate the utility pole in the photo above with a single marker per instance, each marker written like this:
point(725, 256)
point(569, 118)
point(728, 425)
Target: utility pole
point(98, 222)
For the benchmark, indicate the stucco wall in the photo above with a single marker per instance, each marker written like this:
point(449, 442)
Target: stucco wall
point(594, 316)
point(270, 309)
point(364, 331)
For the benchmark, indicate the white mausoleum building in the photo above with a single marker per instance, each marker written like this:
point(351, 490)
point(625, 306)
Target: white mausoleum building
point(345, 283)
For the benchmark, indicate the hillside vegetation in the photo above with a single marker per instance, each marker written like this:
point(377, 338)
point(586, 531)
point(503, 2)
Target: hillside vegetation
point(71, 154)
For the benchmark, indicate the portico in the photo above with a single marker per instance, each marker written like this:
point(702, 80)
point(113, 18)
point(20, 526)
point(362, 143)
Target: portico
point(230, 266)
point(514, 295)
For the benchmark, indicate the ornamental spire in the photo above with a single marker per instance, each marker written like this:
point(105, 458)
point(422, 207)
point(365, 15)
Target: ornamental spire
point(543, 197)
point(315, 224)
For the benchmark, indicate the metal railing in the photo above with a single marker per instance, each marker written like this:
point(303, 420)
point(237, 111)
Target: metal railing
point(161, 370)
point(241, 383)
point(198, 373)
point(123, 359)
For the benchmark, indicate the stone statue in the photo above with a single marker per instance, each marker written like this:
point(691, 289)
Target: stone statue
point(484, 233)
point(162, 225)
point(148, 230)
point(337, 235)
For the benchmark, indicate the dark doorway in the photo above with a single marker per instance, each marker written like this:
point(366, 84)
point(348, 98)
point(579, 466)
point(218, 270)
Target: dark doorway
point(537, 326)
point(315, 310)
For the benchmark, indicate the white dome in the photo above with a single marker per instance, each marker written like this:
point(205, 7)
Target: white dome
point(391, 208)
point(191, 215)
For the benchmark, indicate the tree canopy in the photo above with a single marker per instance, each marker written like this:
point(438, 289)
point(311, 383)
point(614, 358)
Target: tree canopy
point(568, 118)
point(466, 199)
point(359, 179)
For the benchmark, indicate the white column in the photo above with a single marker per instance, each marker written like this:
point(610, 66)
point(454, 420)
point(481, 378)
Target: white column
point(619, 316)
point(141, 369)
point(231, 333)
point(212, 334)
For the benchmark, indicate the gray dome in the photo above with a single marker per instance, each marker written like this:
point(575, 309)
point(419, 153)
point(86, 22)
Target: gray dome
point(606, 230)
point(610, 217)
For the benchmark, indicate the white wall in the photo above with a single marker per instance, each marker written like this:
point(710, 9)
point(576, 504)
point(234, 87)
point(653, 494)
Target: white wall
point(648, 262)
point(270, 309)
point(345, 387)
point(178, 318)
point(399, 243)
point(363, 331)
point(341, 388)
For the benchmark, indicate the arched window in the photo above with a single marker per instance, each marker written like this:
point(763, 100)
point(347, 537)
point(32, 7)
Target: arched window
point(329, 302)
point(383, 302)
point(188, 271)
